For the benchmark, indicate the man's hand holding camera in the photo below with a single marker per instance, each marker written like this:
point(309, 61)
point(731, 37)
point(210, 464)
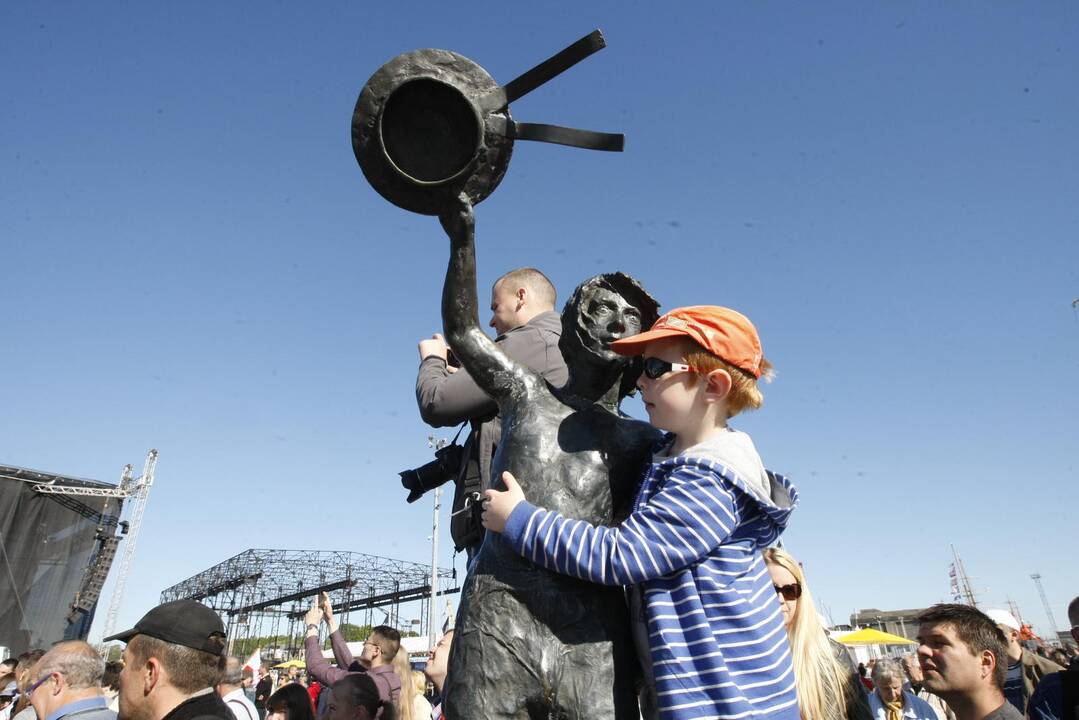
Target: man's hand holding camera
point(435, 346)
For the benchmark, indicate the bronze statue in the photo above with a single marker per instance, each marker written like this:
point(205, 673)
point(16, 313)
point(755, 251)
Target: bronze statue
point(431, 124)
point(530, 642)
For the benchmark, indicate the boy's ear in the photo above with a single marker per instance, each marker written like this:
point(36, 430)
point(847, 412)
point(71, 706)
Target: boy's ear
point(717, 385)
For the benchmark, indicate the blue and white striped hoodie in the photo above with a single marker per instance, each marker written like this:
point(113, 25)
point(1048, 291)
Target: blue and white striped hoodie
point(693, 544)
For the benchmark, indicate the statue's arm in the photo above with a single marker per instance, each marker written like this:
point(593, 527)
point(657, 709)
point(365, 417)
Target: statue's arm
point(494, 372)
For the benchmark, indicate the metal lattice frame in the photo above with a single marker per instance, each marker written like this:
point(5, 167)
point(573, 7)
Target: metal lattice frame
point(257, 589)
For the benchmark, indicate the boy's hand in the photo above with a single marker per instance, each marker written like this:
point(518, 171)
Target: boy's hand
point(497, 506)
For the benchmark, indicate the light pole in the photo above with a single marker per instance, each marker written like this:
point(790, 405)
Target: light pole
point(431, 614)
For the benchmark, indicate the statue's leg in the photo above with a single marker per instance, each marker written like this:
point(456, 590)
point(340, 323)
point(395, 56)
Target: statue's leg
point(500, 658)
point(599, 679)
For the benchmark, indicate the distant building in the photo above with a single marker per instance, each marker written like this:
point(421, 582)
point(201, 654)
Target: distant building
point(897, 622)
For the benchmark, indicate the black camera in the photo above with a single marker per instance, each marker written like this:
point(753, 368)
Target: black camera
point(444, 467)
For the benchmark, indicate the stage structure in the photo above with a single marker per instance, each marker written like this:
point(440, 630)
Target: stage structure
point(59, 536)
point(265, 593)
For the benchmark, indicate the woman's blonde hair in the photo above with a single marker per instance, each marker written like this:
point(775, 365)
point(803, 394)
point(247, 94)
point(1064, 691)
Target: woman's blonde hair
point(822, 679)
point(403, 668)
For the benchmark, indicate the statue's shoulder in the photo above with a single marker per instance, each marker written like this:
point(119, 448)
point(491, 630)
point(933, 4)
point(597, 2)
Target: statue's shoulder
point(637, 434)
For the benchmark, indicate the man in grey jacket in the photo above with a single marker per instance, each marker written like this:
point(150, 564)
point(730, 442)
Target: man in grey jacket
point(528, 329)
point(67, 684)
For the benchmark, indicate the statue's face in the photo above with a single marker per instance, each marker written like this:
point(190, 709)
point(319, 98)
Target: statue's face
point(603, 316)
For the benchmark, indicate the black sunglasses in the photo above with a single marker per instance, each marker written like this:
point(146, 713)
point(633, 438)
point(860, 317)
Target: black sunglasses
point(656, 368)
point(789, 592)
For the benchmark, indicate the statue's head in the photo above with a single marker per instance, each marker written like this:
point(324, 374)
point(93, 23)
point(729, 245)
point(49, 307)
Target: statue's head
point(604, 308)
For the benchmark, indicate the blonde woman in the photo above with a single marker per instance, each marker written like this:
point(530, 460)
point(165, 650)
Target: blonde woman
point(828, 685)
point(421, 706)
point(403, 669)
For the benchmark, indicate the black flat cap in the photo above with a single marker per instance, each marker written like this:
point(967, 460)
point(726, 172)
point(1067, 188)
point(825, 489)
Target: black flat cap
point(181, 622)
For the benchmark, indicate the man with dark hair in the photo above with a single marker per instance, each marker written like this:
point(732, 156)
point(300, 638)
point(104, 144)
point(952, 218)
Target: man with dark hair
point(67, 682)
point(263, 690)
point(356, 697)
point(1057, 695)
point(528, 330)
point(175, 657)
point(21, 709)
point(963, 655)
point(7, 676)
point(376, 660)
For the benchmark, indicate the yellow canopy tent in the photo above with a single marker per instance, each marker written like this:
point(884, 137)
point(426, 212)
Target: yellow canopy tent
point(292, 664)
point(869, 636)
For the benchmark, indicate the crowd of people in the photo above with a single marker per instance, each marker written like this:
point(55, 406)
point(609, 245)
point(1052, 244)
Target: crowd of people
point(174, 667)
point(723, 618)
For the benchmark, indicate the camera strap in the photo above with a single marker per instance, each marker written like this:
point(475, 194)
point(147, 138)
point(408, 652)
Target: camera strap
point(454, 441)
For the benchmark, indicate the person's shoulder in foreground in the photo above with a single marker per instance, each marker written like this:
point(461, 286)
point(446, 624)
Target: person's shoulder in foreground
point(1006, 711)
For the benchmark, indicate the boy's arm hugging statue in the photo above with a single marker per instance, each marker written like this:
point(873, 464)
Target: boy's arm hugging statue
point(529, 642)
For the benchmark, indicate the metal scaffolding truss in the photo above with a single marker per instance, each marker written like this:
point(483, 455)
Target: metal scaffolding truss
point(261, 586)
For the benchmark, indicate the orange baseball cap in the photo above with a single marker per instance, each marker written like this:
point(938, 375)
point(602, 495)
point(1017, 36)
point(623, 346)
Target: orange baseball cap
point(726, 333)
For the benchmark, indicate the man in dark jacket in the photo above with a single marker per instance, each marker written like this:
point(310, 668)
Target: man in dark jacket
point(174, 658)
point(528, 329)
point(1057, 695)
point(263, 691)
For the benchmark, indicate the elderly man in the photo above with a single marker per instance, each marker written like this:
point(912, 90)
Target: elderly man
point(67, 682)
point(437, 665)
point(1025, 669)
point(231, 690)
point(174, 659)
point(890, 700)
point(963, 657)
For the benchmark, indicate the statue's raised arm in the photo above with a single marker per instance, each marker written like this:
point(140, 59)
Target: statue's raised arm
point(494, 372)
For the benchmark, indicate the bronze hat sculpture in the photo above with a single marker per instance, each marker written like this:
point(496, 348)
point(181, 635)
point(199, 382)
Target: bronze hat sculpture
point(431, 124)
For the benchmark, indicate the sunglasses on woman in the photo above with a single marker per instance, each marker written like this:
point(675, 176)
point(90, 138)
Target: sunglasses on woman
point(656, 368)
point(789, 592)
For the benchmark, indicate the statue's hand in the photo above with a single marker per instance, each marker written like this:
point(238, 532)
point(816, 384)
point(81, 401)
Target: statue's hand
point(459, 222)
point(498, 506)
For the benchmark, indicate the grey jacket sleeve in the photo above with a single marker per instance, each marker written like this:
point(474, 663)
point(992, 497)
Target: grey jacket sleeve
point(446, 398)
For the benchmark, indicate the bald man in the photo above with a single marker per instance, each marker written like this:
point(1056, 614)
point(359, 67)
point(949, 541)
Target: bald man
point(66, 682)
point(528, 330)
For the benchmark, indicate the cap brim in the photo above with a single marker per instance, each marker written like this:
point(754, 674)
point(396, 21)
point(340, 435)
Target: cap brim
point(634, 345)
point(122, 637)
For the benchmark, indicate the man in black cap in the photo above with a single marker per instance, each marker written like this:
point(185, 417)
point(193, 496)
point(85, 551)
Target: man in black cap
point(174, 658)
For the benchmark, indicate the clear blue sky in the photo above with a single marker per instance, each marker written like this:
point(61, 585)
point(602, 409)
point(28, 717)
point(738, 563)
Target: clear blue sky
point(193, 261)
